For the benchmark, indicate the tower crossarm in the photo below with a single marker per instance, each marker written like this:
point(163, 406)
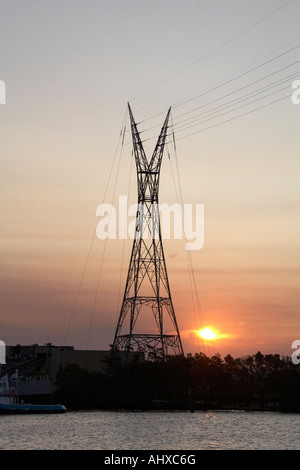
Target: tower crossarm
point(139, 153)
point(156, 159)
point(148, 172)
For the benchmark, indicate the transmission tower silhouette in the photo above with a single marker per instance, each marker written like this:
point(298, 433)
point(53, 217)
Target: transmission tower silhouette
point(147, 295)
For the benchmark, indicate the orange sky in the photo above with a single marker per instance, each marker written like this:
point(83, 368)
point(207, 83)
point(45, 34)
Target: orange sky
point(68, 79)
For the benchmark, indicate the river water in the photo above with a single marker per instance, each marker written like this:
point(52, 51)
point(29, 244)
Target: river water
point(166, 430)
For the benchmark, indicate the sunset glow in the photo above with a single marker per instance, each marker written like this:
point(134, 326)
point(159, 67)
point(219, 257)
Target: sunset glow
point(229, 193)
point(207, 334)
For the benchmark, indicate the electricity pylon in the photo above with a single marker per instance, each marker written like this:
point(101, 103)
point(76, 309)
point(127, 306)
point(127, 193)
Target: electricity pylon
point(147, 293)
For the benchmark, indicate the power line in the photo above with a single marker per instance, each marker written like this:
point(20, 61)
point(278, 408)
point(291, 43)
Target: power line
point(233, 38)
point(193, 285)
point(236, 117)
point(244, 97)
point(242, 75)
point(205, 117)
point(232, 75)
point(223, 83)
point(230, 103)
point(226, 112)
point(123, 248)
point(122, 135)
point(93, 236)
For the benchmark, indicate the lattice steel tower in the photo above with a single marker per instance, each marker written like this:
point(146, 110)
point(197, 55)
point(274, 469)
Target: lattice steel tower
point(147, 295)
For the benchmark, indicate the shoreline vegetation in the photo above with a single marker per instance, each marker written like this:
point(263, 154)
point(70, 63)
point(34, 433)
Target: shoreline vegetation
point(194, 382)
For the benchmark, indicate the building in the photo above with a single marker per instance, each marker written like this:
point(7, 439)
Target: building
point(37, 366)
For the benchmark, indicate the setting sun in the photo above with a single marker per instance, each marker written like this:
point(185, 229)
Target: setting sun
point(207, 334)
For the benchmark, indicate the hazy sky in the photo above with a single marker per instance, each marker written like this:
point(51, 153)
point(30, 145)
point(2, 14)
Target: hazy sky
point(70, 67)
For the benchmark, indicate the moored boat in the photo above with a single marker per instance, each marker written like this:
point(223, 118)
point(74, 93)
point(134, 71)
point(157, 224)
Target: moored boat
point(9, 403)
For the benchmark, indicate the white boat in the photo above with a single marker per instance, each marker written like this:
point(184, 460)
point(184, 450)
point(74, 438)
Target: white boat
point(9, 402)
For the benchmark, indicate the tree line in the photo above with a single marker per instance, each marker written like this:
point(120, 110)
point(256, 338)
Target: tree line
point(253, 382)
